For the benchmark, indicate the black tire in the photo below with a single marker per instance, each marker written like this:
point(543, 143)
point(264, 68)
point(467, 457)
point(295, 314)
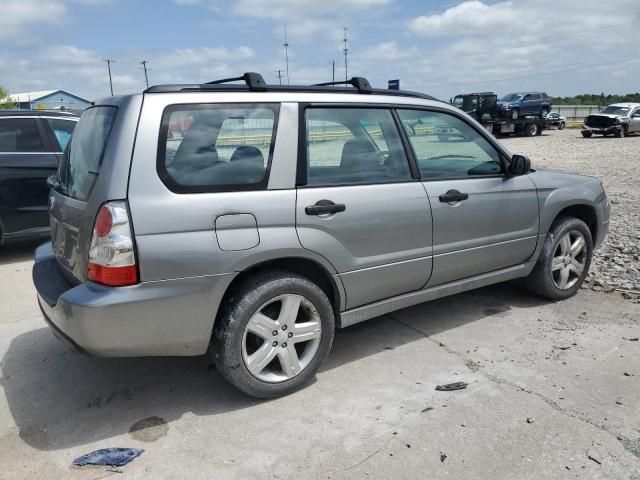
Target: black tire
point(561, 126)
point(531, 129)
point(544, 113)
point(229, 331)
point(586, 134)
point(621, 133)
point(540, 281)
point(515, 113)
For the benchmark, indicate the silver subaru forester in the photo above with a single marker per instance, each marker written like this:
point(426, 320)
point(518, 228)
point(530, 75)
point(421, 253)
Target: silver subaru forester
point(250, 221)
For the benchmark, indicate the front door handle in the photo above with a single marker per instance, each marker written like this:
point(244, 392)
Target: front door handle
point(453, 196)
point(324, 207)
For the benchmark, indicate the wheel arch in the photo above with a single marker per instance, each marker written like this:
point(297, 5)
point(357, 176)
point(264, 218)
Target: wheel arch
point(584, 212)
point(306, 267)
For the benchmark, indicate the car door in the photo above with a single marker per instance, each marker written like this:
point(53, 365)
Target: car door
point(483, 220)
point(531, 104)
point(26, 160)
point(634, 121)
point(359, 205)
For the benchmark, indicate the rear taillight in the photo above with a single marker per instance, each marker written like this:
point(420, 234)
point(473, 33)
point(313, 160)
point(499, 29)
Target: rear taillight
point(112, 258)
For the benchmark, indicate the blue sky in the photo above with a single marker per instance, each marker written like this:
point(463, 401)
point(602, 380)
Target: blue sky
point(440, 47)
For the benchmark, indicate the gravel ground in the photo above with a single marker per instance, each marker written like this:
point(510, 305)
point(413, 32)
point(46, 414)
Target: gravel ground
point(616, 264)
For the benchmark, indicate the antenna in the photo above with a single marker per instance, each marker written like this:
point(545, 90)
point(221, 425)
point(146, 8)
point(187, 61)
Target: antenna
point(345, 50)
point(279, 73)
point(286, 53)
point(333, 70)
point(144, 66)
point(109, 62)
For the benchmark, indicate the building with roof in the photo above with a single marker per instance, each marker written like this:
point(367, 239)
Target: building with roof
point(49, 100)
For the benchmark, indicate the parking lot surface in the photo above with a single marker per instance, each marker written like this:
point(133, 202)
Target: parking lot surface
point(553, 388)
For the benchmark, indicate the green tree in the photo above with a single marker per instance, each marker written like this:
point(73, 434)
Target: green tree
point(5, 101)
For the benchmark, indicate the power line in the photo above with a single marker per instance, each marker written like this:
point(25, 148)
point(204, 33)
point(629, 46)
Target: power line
point(553, 72)
point(109, 62)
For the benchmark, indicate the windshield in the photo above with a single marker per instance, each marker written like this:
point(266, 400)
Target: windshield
point(512, 97)
point(80, 166)
point(616, 110)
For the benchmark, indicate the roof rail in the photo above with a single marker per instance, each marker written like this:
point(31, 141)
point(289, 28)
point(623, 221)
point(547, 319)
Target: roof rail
point(254, 81)
point(361, 84)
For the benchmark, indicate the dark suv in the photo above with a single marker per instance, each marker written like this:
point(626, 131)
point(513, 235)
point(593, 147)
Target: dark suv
point(516, 105)
point(31, 144)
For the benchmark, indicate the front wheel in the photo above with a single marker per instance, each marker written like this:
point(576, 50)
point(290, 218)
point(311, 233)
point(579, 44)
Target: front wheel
point(621, 133)
point(515, 113)
point(561, 126)
point(564, 261)
point(272, 334)
point(544, 113)
point(586, 134)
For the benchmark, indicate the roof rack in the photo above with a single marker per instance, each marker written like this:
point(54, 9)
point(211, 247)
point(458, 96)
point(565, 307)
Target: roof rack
point(254, 82)
point(361, 84)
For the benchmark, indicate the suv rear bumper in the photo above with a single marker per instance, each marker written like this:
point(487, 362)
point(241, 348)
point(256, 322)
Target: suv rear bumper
point(163, 318)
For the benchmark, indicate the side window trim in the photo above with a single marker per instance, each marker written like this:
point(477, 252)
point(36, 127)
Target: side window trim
point(176, 187)
point(49, 146)
point(502, 154)
point(302, 180)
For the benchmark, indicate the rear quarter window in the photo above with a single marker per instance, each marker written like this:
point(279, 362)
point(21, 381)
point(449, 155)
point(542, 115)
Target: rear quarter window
point(221, 147)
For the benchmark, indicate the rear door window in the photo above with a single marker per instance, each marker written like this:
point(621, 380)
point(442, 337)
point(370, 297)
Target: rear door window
point(80, 166)
point(62, 130)
point(209, 148)
point(353, 146)
point(20, 135)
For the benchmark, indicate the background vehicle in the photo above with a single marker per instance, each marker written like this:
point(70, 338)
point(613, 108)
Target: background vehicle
point(31, 144)
point(228, 237)
point(557, 120)
point(618, 119)
point(515, 105)
point(486, 110)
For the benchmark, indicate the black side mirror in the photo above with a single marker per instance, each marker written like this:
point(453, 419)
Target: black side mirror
point(519, 165)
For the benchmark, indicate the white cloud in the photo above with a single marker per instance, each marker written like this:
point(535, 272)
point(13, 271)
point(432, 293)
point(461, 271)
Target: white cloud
point(17, 15)
point(296, 9)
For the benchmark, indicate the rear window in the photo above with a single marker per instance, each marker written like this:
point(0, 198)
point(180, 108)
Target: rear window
point(210, 148)
point(80, 166)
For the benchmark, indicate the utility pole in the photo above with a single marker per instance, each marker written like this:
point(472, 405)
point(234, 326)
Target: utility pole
point(109, 62)
point(333, 70)
point(345, 50)
point(279, 72)
point(144, 66)
point(286, 52)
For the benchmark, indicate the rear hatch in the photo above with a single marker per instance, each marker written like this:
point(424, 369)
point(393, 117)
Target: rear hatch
point(75, 199)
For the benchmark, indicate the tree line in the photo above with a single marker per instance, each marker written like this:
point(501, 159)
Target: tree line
point(602, 99)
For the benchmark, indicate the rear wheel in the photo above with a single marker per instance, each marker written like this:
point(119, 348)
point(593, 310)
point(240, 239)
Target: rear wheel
point(561, 126)
point(272, 334)
point(544, 113)
point(531, 129)
point(564, 261)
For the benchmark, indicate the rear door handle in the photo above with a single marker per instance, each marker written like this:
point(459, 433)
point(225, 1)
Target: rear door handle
point(324, 207)
point(453, 196)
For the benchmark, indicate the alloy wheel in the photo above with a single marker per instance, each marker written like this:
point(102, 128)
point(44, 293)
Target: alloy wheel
point(281, 338)
point(569, 260)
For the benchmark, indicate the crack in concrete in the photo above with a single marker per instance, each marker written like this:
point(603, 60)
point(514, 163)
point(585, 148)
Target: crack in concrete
point(632, 446)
